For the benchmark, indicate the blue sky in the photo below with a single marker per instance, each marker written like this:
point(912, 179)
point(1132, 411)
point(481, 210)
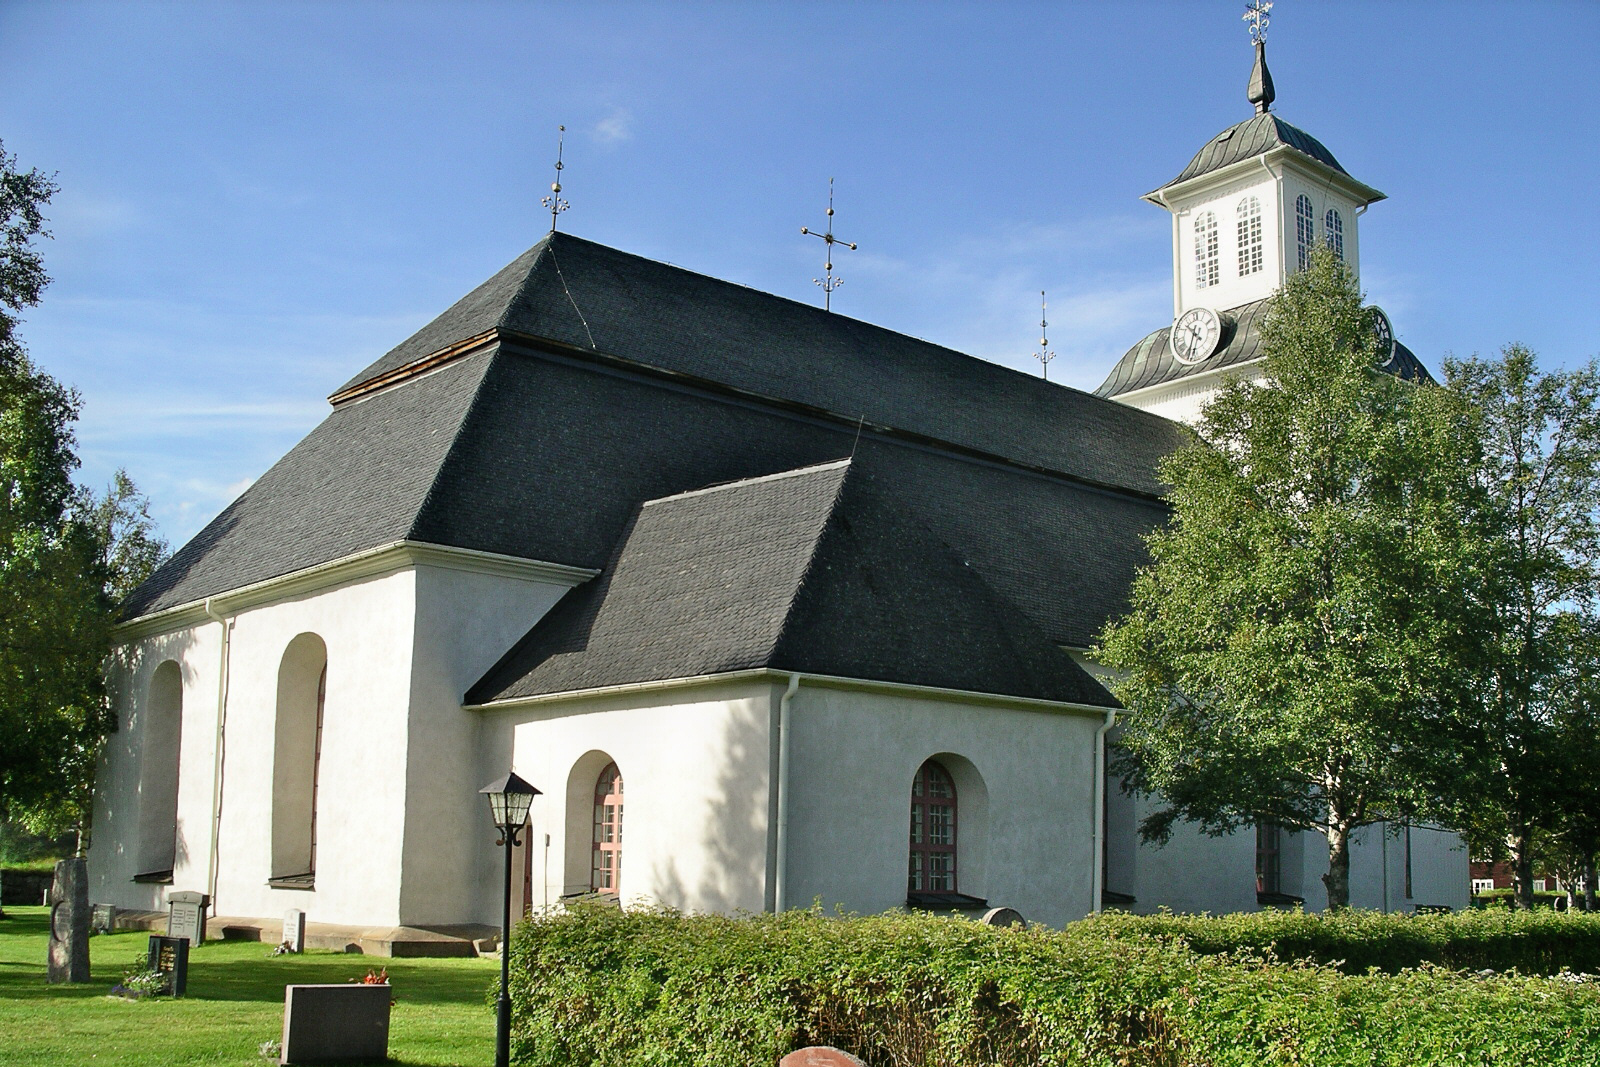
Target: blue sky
point(259, 199)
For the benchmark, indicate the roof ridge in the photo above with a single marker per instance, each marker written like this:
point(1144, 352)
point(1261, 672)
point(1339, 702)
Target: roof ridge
point(737, 483)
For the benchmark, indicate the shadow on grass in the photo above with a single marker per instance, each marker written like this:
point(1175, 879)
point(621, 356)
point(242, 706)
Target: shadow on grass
point(230, 970)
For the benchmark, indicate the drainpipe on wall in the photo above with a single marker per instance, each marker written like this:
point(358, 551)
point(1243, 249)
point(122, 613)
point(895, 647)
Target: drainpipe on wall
point(780, 878)
point(1100, 807)
point(217, 750)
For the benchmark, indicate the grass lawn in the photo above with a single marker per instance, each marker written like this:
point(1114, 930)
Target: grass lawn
point(234, 1003)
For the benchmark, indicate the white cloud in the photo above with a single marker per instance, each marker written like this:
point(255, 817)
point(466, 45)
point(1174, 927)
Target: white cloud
point(615, 127)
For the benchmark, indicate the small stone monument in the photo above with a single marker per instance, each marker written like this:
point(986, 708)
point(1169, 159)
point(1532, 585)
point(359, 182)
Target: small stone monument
point(169, 957)
point(294, 930)
point(820, 1056)
point(335, 1023)
point(69, 922)
point(104, 919)
point(186, 916)
point(1004, 917)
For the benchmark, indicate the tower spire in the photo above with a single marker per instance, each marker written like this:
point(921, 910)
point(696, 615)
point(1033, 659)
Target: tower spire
point(1260, 93)
point(829, 281)
point(553, 203)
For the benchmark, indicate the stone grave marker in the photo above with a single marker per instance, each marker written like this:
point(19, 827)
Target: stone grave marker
point(820, 1056)
point(186, 916)
point(169, 957)
point(1004, 917)
point(294, 930)
point(69, 922)
point(335, 1023)
point(103, 920)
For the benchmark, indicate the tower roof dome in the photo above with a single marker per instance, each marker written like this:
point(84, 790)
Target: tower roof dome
point(1250, 138)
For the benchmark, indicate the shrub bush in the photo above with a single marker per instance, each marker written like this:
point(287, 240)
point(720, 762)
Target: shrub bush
point(629, 989)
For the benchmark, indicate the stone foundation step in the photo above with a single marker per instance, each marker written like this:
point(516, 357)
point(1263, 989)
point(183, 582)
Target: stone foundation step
point(393, 941)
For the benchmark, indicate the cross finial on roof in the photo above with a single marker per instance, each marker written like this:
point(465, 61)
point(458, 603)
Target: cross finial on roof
point(829, 281)
point(1044, 355)
point(553, 202)
point(1260, 92)
point(1256, 13)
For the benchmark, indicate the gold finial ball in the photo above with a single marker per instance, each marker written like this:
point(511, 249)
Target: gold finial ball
point(1043, 341)
point(555, 187)
point(852, 247)
point(559, 165)
point(804, 230)
point(830, 212)
point(827, 266)
point(563, 129)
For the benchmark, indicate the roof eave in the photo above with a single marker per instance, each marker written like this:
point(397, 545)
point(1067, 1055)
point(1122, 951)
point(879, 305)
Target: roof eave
point(1278, 154)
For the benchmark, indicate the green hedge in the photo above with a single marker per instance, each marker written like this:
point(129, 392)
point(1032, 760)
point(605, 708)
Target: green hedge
point(608, 988)
point(1538, 942)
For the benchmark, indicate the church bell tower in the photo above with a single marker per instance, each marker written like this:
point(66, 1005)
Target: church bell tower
point(1246, 213)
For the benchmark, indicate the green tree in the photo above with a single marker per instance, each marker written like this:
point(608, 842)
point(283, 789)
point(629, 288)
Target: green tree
point(1292, 648)
point(65, 557)
point(1533, 727)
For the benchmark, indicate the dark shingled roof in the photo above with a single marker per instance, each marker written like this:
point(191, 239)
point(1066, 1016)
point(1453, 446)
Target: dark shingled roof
point(1250, 138)
point(1151, 362)
point(662, 316)
point(812, 570)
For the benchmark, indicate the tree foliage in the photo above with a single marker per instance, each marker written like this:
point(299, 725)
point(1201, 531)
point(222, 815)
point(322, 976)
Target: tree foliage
point(65, 557)
point(1294, 647)
point(1533, 728)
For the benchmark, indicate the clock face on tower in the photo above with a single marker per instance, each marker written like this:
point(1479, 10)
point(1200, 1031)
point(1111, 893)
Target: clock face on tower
point(1383, 329)
point(1195, 335)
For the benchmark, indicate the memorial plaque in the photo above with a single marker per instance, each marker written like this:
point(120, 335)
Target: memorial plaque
point(104, 919)
point(1004, 917)
point(169, 957)
point(68, 959)
point(294, 930)
point(186, 916)
point(335, 1023)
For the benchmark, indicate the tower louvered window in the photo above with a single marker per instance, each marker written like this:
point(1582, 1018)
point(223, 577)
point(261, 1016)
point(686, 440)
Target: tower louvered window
point(933, 831)
point(1206, 268)
point(1305, 225)
point(1333, 233)
point(1249, 212)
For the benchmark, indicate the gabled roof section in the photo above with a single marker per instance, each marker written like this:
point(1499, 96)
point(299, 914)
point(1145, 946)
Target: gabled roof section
point(807, 571)
point(1250, 138)
point(1151, 362)
point(586, 297)
point(357, 481)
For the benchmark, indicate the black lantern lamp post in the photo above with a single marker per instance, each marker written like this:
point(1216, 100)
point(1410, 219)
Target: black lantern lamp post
point(509, 800)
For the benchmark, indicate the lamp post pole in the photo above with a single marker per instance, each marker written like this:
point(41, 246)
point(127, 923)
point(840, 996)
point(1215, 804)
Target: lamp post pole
point(502, 1031)
point(509, 800)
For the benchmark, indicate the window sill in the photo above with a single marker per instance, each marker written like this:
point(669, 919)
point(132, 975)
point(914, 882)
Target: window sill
point(154, 878)
point(932, 901)
point(293, 881)
point(1279, 900)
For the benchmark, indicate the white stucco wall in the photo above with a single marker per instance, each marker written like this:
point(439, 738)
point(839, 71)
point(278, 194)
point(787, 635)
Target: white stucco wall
point(366, 626)
point(465, 622)
point(853, 758)
point(696, 767)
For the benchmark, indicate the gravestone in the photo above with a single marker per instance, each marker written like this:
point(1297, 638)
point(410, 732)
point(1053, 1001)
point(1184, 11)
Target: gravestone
point(104, 919)
point(69, 922)
point(294, 930)
point(169, 957)
point(186, 916)
point(1004, 917)
point(346, 1023)
point(820, 1056)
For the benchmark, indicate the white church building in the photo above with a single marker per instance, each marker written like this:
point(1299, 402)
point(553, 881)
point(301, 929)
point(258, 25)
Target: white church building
point(809, 600)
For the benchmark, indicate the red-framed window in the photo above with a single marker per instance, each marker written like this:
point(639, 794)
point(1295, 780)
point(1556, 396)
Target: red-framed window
point(933, 831)
point(1269, 871)
point(606, 871)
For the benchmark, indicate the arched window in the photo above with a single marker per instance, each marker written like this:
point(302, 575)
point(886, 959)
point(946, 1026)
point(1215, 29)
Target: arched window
point(1333, 233)
point(1249, 212)
point(160, 736)
point(933, 831)
point(1205, 250)
point(606, 871)
point(297, 760)
point(1305, 226)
